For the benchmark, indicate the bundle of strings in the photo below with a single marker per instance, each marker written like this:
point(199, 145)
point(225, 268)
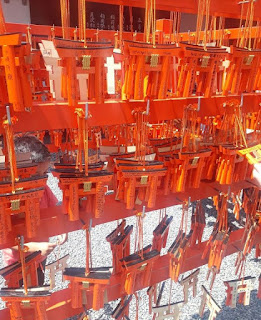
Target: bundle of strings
point(203, 10)
point(141, 136)
point(216, 31)
point(150, 21)
point(222, 213)
point(233, 128)
point(245, 31)
point(82, 20)
point(65, 16)
point(221, 29)
point(190, 128)
point(176, 18)
point(212, 35)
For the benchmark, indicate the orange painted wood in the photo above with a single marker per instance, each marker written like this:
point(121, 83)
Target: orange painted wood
point(54, 220)
point(51, 115)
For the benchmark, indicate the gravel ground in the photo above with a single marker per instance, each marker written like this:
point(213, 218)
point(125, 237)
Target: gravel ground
point(101, 256)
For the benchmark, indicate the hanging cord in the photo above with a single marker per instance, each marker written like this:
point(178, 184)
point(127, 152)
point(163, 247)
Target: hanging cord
point(183, 128)
point(246, 38)
point(82, 20)
point(88, 248)
point(178, 25)
point(201, 10)
point(175, 17)
point(121, 17)
point(184, 218)
point(188, 131)
point(9, 138)
point(146, 22)
point(221, 31)
point(82, 118)
point(246, 35)
point(240, 24)
point(212, 32)
point(22, 249)
point(141, 135)
point(215, 30)
point(159, 297)
point(172, 17)
point(154, 24)
point(150, 21)
point(223, 214)
point(80, 140)
point(232, 129)
point(131, 19)
point(65, 17)
point(136, 294)
point(139, 232)
point(243, 38)
point(207, 10)
point(52, 33)
point(252, 4)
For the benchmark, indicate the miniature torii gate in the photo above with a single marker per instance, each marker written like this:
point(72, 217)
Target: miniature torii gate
point(138, 263)
point(160, 234)
point(188, 282)
point(93, 59)
point(120, 244)
point(243, 287)
point(211, 303)
point(147, 79)
point(135, 177)
point(209, 65)
point(13, 273)
point(242, 71)
point(56, 266)
point(18, 90)
point(169, 311)
point(96, 281)
point(35, 300)
point(78, 186)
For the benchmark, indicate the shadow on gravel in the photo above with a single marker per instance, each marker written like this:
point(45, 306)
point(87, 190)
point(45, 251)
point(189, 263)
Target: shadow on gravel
point(256, 260)
point(107, 311)
point(211, 212)
point(251, 312)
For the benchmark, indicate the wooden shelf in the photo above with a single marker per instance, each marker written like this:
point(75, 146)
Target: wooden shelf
point(54, 220)
point(58, 115)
